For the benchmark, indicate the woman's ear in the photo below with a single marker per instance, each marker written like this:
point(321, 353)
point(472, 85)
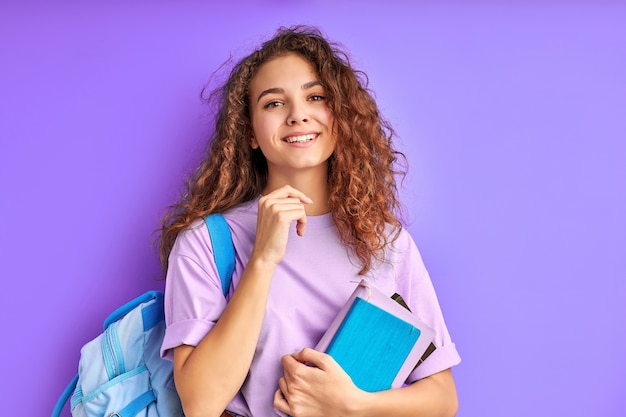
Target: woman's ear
point(253, 143)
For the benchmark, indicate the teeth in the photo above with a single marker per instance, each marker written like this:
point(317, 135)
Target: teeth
point(301, 138)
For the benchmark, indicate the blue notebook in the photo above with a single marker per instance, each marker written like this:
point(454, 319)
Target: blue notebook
point(376, 340)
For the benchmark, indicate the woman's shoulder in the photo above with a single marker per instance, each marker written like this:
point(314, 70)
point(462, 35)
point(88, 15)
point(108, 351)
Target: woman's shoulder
point(402, 249)
point(193, 242)
point(197, 235)
point(401, 238)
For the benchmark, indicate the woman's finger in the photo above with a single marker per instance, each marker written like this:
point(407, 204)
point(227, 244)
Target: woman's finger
point(280, 403)
point(288, 191)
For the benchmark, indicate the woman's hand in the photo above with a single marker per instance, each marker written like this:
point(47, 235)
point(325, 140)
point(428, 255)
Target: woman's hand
point(314, 385)
point(277, 210)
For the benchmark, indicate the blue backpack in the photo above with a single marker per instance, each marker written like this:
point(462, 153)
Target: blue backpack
point(121, 372)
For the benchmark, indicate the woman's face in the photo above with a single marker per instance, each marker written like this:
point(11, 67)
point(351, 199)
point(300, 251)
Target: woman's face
point(291, 123)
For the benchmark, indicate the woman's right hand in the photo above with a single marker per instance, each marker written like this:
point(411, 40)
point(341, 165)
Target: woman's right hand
point(277, 210)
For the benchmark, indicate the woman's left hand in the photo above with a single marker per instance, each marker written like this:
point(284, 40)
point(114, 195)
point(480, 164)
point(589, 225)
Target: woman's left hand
point(314, 385)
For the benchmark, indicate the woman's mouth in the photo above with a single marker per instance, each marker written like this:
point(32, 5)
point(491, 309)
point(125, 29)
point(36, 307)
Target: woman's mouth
point(300, 138)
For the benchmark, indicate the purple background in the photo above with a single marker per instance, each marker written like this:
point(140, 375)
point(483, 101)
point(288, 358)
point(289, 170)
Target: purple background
point(513, 119)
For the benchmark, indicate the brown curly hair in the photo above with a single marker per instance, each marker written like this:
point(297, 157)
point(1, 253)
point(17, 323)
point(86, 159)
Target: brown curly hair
point(361, 171)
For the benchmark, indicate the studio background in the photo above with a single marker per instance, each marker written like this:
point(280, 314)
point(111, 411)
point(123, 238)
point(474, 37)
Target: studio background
point(512, 117)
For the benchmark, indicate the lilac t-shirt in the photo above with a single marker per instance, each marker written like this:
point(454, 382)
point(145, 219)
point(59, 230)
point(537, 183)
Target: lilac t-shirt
point(309, 287)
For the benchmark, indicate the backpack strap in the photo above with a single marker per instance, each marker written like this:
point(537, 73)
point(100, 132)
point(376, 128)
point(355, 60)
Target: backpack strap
point(223, 248)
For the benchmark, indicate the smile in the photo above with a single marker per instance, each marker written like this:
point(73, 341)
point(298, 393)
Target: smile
point(300, 138)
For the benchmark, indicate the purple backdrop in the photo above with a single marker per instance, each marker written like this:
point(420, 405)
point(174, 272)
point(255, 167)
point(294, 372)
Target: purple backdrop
point(513, 119)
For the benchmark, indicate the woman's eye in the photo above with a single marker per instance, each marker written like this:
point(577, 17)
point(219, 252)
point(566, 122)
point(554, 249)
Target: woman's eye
point(272, 104)
point(317, 97)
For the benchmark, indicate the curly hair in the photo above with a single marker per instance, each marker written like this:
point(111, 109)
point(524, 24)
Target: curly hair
point(361, 172)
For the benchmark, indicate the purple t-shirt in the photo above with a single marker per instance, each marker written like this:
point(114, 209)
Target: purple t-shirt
point(309, 287)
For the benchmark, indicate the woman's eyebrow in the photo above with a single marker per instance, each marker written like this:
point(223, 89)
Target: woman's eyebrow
point(310, 84)
point(278, 90)
point(275, 90)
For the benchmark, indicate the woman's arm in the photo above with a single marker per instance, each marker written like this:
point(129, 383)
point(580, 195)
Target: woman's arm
point(325, 389)
point(209, 375)
point(433, 396)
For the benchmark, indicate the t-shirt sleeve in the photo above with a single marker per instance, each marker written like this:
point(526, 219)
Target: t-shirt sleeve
point(423, 302)
point(193, 293)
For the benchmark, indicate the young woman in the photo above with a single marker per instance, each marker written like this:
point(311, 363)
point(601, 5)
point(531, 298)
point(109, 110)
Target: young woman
point(302, 167)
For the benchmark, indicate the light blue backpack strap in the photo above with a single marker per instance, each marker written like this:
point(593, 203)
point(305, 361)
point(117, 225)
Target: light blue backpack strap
point(135, 406)
point(223, 249)
point(67, 393)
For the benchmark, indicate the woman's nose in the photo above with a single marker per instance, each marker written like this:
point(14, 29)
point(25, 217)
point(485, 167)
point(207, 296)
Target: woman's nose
point(297, 115)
